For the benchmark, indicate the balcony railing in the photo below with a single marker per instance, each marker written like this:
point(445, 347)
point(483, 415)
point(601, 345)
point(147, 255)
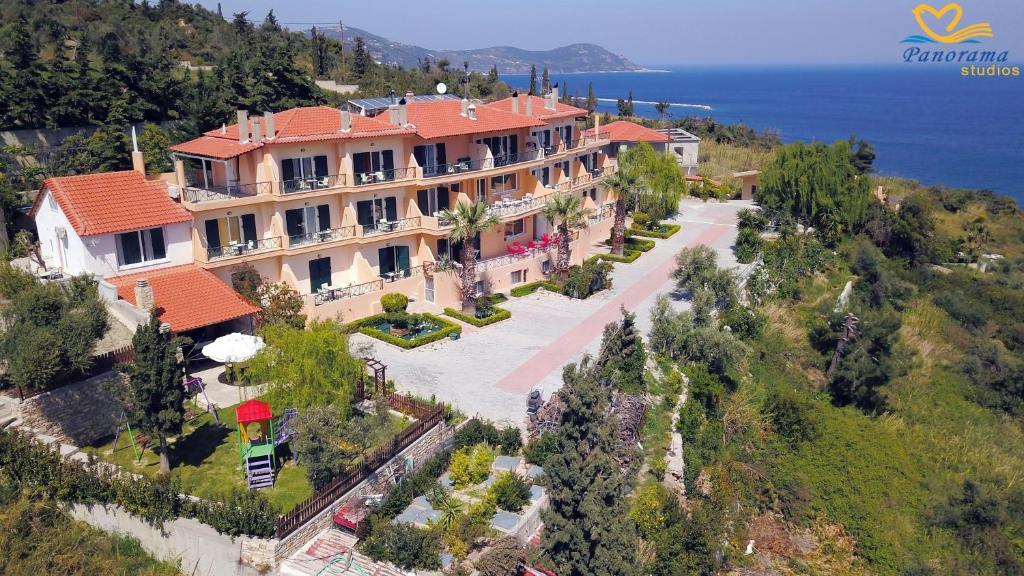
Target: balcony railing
point(461, 166)
point(512, 207)
point(321, 236)
point(229, 191)
point(586, 178)
point(392, 226)
point(378, 176)
point(506, 259)
point(310, 184)
point(421, 270)
point(243, 248)
point(331, 294)
point(605, 212)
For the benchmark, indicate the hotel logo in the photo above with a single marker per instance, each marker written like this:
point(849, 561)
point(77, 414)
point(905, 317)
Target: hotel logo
point(966, 35)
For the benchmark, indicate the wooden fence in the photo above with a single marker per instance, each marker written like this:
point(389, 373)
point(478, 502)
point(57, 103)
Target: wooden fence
point(427, 416)
point(100, 364)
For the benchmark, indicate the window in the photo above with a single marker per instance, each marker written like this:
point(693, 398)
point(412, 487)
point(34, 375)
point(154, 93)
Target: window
point(51, 202)
point(515, 228)
point(518, 277)
point(304, 173)
point(302, 223)
point(502, 148)
point(394, 262)
point(140, 246)
point(504, 184)
point(543, 139)
point(230, 230)
point(376, 166)
point(431, 157)
point(565, 133)
point(544, 175)
point(371, 212)
point(546, 268)
point(432, 200)
point(478, 289)
point(319, 274)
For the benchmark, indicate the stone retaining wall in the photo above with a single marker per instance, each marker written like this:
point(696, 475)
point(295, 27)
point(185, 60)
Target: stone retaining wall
point(77, 414)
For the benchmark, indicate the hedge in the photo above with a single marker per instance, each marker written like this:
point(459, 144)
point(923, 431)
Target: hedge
point(672, 229)
point(499, 315)
point(527, 289)
point(367, 326)
point(628, 256)
point(36, 466)
point(498, 298)
point(636, 244)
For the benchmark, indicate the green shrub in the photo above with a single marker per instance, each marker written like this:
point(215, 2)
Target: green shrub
point(471, 465)
point(476, 431)
point(539, 449)
point(635, 244)
point(593, 276)
point(404, 545)
point(641, 220)
point(498, 298)
point(748, 244)
point(394, 302)
point(744, 322)
point(628, 256)
point(527, 289)
point(511, 491)
point(497, 315)
point(792, 415)
point(671, 229)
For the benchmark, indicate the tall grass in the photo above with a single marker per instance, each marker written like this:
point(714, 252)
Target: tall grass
point(719, 161)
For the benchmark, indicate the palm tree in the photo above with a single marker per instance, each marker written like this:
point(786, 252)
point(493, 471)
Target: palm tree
point(567, 211)
point(467, 221)
point(624, 183)
point(662, 107)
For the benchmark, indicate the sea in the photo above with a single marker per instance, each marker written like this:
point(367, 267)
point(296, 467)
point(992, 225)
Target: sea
point(926, 122)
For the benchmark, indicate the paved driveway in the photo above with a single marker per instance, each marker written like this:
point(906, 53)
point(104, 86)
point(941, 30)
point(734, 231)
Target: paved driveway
point(489, 371)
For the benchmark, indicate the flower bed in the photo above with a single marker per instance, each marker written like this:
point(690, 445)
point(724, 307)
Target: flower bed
point(527, 289)
point(373, 326)
point(498, 315)
point(663, 231)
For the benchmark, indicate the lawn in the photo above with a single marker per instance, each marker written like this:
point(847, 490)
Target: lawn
point(205, 460)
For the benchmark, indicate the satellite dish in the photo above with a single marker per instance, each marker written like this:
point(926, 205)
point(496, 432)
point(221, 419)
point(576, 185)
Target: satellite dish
point(441, 88)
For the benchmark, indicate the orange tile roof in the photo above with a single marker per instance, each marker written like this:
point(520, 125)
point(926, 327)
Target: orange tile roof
point(186, 296)
point(625, 131)
point(440, 118)
point(539, 111)
point(307, 124)
point(112, 202)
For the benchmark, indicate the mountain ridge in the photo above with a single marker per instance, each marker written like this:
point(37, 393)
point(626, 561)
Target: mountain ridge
point(578, 57)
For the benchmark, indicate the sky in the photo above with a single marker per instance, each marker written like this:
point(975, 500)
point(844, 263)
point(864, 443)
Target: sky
point(655, 32)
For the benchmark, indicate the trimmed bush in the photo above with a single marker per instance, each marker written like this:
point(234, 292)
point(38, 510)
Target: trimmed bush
point(368, 326)
point(527, 289)
point(628, 256)
point(634, 244)
point(498, 315)
point(671, 230)
point(511, 491)
point(498, 298)
point(394, 302)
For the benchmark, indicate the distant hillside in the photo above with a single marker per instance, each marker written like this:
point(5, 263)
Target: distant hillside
point(509, 60)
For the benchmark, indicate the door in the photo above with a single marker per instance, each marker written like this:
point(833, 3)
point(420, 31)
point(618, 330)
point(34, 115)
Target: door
point(319, 274)
point(428, 289)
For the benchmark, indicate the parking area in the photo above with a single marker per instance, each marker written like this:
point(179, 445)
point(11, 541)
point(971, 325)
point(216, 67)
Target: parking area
point(489, 371)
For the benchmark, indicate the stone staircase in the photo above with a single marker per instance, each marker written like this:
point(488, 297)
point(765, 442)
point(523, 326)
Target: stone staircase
point(334, 545)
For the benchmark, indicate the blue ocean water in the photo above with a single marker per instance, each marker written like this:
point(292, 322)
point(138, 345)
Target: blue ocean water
point(926, 122)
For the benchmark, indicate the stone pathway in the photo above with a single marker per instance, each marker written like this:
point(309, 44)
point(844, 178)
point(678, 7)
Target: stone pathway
point(489, 371)
point(331, 544)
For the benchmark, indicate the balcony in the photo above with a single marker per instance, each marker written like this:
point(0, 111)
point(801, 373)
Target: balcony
point(331, 294)
point(230, 191)
point(386, 227)
point(586, 178)
point(466, 165)
point(242, 248)
point(381, 176)
point(514, 207)
point(421, 270)
point(321, 236)
point(301, 185)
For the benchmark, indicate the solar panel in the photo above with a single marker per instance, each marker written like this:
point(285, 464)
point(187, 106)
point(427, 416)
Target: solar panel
point(370, 106)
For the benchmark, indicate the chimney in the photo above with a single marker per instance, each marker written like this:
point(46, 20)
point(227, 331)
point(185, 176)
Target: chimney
point(138, 161)
point(465, 107)
point(243, 126)
point(257, 133)
point(268, 123)
point(346, 121)
point(552, 98)
point(471, 111)
point(144, 295)
point(393, 115)
point(403, 112)
point(529, 105)
point(409, 95)
point(515, 102)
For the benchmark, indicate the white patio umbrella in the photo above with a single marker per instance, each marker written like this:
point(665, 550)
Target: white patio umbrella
point(232, 348)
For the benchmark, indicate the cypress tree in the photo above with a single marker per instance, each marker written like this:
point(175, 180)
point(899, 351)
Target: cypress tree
point(623, 355)
point(155, 393)
point(588, 530)
point(591, 98)
point(533, 79)
point(545, 80)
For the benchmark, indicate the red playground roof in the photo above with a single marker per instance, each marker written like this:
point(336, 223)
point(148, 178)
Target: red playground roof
point(253, 411)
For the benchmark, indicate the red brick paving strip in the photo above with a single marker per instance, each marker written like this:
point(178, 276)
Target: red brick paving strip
point(562, 350)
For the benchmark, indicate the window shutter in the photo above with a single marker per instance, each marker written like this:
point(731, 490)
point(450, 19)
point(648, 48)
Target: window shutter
point(364, 212)
point(323, 216)
point(442, 198)
point(387, 160)
point(403, 259)
point(287, 170)
point(248, 228)
point(320, 166)
point(156, 237)
point(513, 144)
point(423, 201)
point(293, 221)
point(442, 159)
point(212, 234)
point(391, 208)
point(420, 154)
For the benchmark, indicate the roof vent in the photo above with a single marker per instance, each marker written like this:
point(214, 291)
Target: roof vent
point(529, 105)
point(465, 107)
point(471, 111)
point(515, 102)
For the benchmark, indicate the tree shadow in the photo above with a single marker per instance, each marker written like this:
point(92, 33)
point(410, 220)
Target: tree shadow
point(195, 448)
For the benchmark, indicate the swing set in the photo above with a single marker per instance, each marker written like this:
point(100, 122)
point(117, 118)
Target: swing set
point(192, 385)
